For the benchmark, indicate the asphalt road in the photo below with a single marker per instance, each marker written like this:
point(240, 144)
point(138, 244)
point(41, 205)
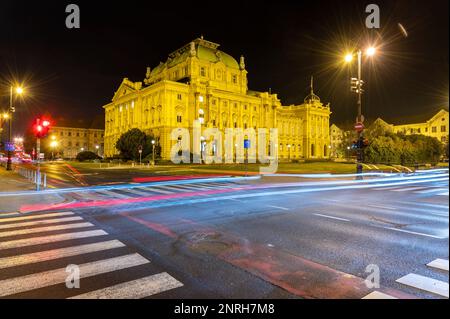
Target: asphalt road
point(221, 239)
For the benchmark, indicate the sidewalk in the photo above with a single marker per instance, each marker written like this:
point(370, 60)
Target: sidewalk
point(13, 182)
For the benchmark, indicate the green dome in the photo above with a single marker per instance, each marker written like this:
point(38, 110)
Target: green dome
point(214, 55)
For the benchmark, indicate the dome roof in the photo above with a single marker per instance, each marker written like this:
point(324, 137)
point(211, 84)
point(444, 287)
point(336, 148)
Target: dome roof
point(204, 50)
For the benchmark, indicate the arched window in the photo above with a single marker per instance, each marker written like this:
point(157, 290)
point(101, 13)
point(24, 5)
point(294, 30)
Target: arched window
point(313, 148)
point(325, 147)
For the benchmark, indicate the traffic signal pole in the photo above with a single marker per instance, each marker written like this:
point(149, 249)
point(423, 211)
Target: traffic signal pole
point(38, 170)
point(359, 159)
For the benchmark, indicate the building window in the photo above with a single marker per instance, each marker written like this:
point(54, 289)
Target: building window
point(202, 71)
point(77, 144)
point(254, 108)
point(214, 122)
point(78, 134)
point(234, 78)
point(418, 130)
point(245, 107)
point(95, 134)
point(179, 119)
point(426, 129)
point(185, 70)
point(62, 134)
point(313, 150)
point(443, 128)
point(434, 129)
point(213, 102)
point(235, 124)
point(179, 97)
point(69, 134)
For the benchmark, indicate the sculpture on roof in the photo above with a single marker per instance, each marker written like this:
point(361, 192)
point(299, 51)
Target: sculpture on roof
point(242, 63)
point(192, 50)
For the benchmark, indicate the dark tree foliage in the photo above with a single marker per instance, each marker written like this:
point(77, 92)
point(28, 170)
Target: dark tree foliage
point(131, 141)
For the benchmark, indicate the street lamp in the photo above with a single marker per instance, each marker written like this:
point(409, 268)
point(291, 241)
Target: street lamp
point(356, 86)
point(97, 147)
point(53, 145)
point(18, 91)
point(153, 151)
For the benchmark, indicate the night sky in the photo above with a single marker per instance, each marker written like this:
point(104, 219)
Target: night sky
point(71, 73)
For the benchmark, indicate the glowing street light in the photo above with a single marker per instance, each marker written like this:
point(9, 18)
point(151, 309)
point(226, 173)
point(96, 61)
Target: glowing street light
point(153, 151)
point(18, 91)
point(371, 51)
point(348, 58)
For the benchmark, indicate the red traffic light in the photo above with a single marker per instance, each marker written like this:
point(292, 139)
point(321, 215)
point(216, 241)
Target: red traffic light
point(41, 128)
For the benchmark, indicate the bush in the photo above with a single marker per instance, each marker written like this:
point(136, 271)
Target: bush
point(87, 156)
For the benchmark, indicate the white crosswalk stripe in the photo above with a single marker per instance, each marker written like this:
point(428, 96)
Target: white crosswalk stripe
point(443, 194)
point(41, 222)
point(406, 189)
point(50, 239)
point(441, 264)
point(146, 286)
point(47, 255)
point(432, 190)
point(112, 194)
point(136, 289)
point(28, 217)
point(52, 277)
point(160, 189)
point(425, 283)
point(44, 229)
point(137, 192)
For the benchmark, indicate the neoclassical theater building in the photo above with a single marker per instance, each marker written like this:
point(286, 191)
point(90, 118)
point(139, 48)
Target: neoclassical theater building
point(201, 82)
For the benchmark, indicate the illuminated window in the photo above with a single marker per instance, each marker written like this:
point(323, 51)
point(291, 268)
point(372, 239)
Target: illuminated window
point(179, 96)
point(434, 129)
point(234, 78)
point(179, 119)
point(443, 128)
point(202, 71)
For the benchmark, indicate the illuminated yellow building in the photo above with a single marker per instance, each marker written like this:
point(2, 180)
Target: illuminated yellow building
point(200, 82)
point(437, 127)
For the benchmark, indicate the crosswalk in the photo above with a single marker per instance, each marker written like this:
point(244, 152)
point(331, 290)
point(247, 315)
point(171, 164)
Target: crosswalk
point(421, 283)
point(36, 249)
point(423, 190)
point(143, 191)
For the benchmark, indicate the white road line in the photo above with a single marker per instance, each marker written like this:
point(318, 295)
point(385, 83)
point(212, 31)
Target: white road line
point(441, 264)
point(406, 189)
point(425, 283)
point(157, 189)
point(27, 217)
point(47, 278)
point(443, 194)
point(414, 233)
point(378, 295)
point(332, 217)
point(7, 262)
point(278, 207)
point(44, 229)
point(185, 188)
point(136, 289)
point(383, 207)
point(385, 188)
point(41, 222)
point(112, 194)
point(137, 192)
point(50, 239)
point(431, 190)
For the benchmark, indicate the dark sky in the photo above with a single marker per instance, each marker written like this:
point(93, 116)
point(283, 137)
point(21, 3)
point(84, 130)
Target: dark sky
point(72, 73)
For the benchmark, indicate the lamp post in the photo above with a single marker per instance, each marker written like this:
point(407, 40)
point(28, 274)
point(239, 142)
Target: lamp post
point(153, 151)
point(97, 148)
point(53, 145)
point(18, 90)
point(356, 86)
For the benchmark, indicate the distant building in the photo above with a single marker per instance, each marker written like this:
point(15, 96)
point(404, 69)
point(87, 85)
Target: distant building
point(200, 82)
point(67, 142)
point(437, 126)
point(336, 139)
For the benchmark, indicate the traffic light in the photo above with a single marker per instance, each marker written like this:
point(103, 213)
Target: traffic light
point(41, 128)
point(356, 85)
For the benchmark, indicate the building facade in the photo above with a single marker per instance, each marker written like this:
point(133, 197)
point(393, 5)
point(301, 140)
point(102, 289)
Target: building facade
point(437, 126)
point(200, 82)
point(67, 142)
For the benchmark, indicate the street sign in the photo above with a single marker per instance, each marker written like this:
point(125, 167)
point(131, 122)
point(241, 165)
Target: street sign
point(246, 143)
point(359, 127)
point(9, 147)
point(41, 155)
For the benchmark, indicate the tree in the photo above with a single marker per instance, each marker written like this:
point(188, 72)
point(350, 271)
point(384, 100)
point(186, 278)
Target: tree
point(131, 141)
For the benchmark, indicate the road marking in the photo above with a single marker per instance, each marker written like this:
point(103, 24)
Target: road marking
point(407, 189)
point(47, 278)
point(161, 189)
point(378, 295)
point(443, 194)
point(278, 207)
point(50, 239)
point(112, 194)
point(136, 289)
point(425, 283)
point(382, 207)
point(413, 233)
point(41, 222)
point(2, 220)
point(431, 190)
point(441, 264)
point(44, 229)
point(47, 255)
point(136, 191)
point(385, 188)
point(332, 217)
point(184, 188)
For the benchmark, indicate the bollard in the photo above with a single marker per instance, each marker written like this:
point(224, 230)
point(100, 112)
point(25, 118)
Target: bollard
point(45, 181)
